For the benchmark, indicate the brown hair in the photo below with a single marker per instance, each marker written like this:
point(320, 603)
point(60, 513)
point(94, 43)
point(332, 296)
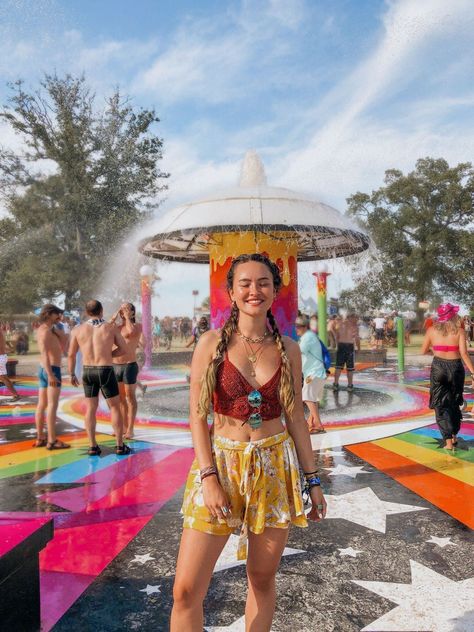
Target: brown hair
point(133, 310)
point(47, 310)
point(448, 327)
point(93, 307)
point(287, 391)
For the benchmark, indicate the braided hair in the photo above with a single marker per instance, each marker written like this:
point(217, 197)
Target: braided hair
point(286, 392)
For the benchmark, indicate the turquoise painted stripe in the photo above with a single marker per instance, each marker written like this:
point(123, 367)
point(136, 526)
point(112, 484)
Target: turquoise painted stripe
point(431, 432)
point(72, 472)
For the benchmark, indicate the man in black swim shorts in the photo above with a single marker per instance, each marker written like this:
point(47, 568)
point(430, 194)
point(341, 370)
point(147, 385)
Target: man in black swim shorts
point(96, 339)
point(126, 366)
point(347, 340)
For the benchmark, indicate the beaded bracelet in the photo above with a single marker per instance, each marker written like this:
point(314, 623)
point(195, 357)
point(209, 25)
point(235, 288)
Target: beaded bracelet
point(310, 483)
point(314, 481)
point(211, 470)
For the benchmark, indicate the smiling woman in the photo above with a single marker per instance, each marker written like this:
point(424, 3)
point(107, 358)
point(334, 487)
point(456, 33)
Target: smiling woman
point(252, 375)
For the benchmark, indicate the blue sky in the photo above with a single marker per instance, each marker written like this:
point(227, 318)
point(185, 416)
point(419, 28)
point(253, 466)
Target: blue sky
point(330, 93)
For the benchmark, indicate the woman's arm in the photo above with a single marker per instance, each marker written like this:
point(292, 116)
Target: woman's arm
point(298, 429)
point(202, 357)
point(297, 426)
point(425, 347)
point(214, 496)
point(463, 351)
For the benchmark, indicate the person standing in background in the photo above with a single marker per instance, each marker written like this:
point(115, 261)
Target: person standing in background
point(314, 372)
point(52, 342)
point(347, 341)
point(3, 368)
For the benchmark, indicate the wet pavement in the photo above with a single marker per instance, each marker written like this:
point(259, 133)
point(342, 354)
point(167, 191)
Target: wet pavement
point(394, 553)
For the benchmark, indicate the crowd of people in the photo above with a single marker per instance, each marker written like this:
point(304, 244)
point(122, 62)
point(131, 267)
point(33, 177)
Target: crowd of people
point(180, 329)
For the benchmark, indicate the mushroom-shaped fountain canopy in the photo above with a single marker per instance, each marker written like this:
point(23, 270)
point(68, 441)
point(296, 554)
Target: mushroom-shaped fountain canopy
point(186, 232)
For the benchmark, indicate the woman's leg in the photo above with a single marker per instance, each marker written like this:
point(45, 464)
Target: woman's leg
point(265, 551)
point(198, 554)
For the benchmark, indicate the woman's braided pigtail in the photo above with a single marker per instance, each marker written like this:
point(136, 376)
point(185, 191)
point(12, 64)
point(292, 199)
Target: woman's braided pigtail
point(209, 380)
point(287, 389)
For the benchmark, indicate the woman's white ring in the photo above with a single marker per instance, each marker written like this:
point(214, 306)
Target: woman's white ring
point(224, 510)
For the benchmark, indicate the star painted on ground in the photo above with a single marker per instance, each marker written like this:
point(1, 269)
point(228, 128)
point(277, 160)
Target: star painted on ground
point(349, 551)
point(347, 470)
point(237, 626)
point(29, 431)
point(365, 508)
point(228, 557)
point(141, 559)
point(150, 590)
point(442, 542)
point(431, 602)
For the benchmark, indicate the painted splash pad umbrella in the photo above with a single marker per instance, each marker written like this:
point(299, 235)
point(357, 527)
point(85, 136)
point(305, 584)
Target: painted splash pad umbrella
point(253, 217)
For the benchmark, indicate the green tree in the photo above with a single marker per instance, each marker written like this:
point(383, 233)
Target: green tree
point(87, 178)
point(422, 226)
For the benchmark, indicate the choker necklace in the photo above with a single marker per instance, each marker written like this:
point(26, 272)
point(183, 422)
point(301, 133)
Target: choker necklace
point(254, 340)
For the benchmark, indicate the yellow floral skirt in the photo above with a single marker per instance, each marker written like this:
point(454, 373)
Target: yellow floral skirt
point(262, 481)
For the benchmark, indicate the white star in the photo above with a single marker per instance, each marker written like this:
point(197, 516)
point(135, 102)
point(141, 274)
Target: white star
point(346, 470)
point(29, 431)
point(442, 542)
point(150, 590)
point(430, 602)
point(364, 507)
point(237, 626)
point(349, 551)
point(141, 559)
point(228, 557)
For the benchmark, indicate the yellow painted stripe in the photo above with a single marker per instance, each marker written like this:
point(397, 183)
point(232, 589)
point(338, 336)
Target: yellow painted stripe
point(443, 463)
point(25, 456)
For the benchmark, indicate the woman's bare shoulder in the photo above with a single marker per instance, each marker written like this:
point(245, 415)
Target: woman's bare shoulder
point(209, 340)
point(291, 346)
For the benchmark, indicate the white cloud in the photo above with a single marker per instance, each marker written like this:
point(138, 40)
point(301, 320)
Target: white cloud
point(352, 148)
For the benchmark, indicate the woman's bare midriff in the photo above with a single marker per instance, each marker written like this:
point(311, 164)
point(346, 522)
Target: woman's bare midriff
point(447, 355)
point(233, 429)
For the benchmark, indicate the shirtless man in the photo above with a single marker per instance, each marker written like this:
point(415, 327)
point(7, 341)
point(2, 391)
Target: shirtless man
point(3, 368)
point(126, 367)
point(96, 339)
point(347, 339)
point(51, 343)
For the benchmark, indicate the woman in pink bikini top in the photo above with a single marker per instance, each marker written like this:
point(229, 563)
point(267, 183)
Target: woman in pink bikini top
point(446, 342)
point(447, 339)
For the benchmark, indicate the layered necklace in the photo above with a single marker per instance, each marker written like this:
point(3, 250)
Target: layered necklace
point(253, 355)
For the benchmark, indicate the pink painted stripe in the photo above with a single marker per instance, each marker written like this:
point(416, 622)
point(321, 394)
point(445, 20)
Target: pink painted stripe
point(466, 428)
point(16, 421)
point(58, 592)
point(107, 480)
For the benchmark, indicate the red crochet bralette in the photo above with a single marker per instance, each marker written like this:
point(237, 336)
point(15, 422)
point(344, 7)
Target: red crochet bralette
point(230, 396)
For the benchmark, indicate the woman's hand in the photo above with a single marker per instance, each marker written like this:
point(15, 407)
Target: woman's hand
point(319, 506)
point(215, 498)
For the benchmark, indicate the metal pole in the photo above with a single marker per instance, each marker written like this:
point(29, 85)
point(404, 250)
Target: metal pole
point(400, 344)
point(321, 278)
point(146, 319)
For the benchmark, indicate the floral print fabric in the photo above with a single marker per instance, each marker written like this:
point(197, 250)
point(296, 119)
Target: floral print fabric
point(262, 481)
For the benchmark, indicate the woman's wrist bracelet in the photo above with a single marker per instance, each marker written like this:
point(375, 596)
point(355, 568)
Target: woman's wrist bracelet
point(211, 470)
point(314, 481)
point(309, 474)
